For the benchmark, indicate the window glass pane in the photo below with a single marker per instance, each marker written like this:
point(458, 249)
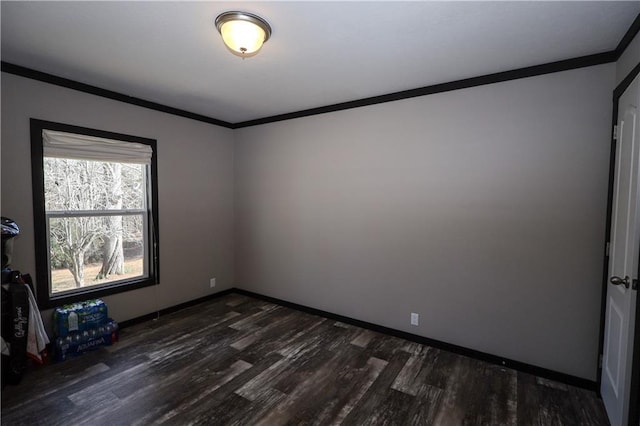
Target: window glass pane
point(95, 250)
point(95, 204)
point(93, 185)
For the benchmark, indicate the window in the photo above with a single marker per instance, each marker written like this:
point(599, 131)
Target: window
point(95, 210)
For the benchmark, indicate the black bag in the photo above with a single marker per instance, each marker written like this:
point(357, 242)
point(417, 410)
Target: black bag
point(15, 326)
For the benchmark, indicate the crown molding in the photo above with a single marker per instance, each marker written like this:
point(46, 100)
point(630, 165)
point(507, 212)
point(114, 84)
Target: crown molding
point(105, 93)
point(547, 68)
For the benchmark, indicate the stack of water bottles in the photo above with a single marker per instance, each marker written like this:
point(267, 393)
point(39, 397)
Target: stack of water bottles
point(81, 327)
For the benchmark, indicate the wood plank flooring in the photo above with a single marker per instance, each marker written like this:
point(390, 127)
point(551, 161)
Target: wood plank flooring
point(241, 361)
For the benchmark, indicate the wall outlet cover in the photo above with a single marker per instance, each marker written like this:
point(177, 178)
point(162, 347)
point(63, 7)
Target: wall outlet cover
point(212, 283)
point(415, 318)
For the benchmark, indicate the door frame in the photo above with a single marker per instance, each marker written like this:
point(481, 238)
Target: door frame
point(634, 409)
point(634, 394)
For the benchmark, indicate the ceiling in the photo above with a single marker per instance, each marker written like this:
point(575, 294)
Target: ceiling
point(320, 53)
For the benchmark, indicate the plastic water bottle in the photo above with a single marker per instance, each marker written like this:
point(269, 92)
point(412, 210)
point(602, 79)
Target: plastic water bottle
point(60, 351)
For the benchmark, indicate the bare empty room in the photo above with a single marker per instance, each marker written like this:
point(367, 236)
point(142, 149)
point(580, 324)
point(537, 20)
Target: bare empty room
point(336, 212)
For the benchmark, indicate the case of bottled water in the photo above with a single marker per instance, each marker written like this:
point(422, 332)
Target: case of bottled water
point(79, 317)
point(82, 327)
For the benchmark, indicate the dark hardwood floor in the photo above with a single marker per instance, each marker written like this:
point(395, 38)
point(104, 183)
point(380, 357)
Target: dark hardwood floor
point(238, 360)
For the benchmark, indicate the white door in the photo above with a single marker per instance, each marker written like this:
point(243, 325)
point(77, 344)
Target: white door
point(623, 261)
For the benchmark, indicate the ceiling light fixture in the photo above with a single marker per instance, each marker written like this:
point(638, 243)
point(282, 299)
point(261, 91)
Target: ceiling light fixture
point(242, 32)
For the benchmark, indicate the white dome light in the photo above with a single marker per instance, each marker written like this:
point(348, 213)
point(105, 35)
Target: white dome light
point(243, 33)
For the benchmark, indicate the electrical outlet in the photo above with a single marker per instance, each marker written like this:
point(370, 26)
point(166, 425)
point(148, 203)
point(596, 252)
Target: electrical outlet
point(212, 283)
point(415, 318)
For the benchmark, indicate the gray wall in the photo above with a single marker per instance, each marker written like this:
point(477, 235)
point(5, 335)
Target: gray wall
point(482, 209)
point(195, 188)
point(629, 59)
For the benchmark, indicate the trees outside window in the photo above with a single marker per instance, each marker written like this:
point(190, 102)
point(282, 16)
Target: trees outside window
point(93, 191)
point(86, 243)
